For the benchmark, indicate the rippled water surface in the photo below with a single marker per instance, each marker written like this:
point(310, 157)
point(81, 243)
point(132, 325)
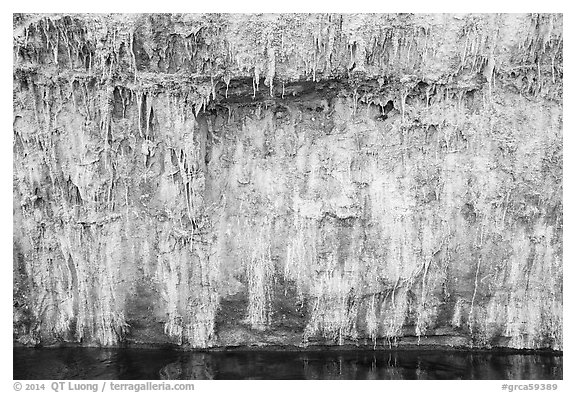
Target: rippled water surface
point(90, 363)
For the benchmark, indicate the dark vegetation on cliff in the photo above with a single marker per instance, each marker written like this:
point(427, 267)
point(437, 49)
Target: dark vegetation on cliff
point(225, 180)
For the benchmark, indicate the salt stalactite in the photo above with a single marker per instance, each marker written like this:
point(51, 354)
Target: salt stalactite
point(259, 272)
point(140, 97)
point(334, 304)
point(271, 68)
point(172, 259)
point(301, 255)
point(189, 290)
point(255, 80)
point(227, 82)
point(202, 309)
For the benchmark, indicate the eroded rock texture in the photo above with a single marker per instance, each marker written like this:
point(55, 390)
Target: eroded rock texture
point(225, 180)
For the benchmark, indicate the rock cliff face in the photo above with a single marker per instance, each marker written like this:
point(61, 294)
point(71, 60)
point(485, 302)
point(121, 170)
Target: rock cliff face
point(232, 180)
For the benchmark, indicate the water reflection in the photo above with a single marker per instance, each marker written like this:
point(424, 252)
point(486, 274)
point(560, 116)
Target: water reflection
point(91, 363)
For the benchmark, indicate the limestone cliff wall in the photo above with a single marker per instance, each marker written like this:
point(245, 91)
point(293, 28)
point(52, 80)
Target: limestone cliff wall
point(225, 180)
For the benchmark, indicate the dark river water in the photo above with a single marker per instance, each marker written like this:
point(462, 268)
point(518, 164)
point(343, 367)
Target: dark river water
point(90, 363)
